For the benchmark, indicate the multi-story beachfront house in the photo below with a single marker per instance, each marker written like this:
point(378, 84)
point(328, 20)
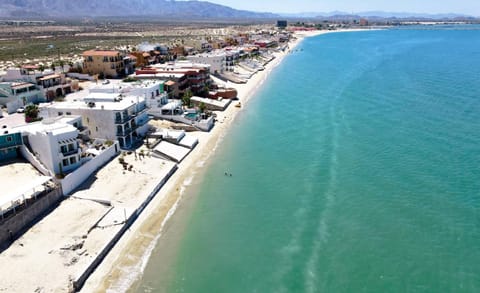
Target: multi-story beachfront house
point(52, 84)
point(186, 74)
point(152, 91)
point(110, 116)
point(54, 143)
point(55, 85)
point(107, 63)
point(14, 95)
point(216, 60)
point(219, 60)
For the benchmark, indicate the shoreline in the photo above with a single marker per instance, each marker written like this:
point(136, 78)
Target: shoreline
point(126, 262)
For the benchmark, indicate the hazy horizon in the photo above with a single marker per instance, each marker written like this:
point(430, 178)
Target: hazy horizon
point(468, 7)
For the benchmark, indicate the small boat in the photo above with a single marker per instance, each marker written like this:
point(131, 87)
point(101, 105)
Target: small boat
point(238, 105)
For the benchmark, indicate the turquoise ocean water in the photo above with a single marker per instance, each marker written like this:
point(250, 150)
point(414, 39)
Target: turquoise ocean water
point(356, 168)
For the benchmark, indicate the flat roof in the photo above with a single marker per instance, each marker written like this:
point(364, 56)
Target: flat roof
point(23, 191)
point(172, 105)
point(67, 119)
point(104, 102)
point(211, 54)
point(119, 86)
point(12, 120)
point(54, 127)
point(16, 179)
point(162, 74)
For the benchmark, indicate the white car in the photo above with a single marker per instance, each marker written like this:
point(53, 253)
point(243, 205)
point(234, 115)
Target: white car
point(21, 110)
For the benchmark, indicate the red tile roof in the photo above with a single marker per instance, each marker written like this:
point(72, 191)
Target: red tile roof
point(47, 77)
point(30, 67)
point(111, 53)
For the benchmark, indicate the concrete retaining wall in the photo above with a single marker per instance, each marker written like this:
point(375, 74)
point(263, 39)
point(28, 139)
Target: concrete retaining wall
point(80, 281)
point(14, 227)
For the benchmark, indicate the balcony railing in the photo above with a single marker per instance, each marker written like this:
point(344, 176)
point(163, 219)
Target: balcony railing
point(140, 123)
point(123, 119)
point(69, 153)
point(125, 132)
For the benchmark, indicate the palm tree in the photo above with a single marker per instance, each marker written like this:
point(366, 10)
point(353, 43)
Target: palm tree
point(202, 107)
point(186, 98)
point(61, 65)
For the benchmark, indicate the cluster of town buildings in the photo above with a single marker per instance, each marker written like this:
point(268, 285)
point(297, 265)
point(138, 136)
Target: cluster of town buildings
point(75, 131)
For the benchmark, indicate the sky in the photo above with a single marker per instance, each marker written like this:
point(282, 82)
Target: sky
point(470, 7)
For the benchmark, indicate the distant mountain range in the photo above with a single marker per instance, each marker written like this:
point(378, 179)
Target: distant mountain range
point(170, 9)
point(376, 14)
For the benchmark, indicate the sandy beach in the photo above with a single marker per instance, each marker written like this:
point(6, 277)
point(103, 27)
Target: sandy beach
point(127, 260)
point(44, 258)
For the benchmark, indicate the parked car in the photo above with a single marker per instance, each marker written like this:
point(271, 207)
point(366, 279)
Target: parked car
point(21, 110)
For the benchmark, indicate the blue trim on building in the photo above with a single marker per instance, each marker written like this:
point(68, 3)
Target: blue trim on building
point(9, 144)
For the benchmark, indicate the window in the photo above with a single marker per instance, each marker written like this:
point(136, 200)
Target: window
point(60, 113)
point(73, 160)
point(88, 120)
point(65, 162)
point(70, 147)
point(96, 129)
point(63, 148)
point(9, 138)
point(69, 113)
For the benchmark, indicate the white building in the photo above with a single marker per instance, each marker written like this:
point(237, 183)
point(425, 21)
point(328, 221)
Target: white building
point(14, 95)
point(215, 59)
point(151, 90)
point(54, 143)
point(110, 116)
point(52, 83)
